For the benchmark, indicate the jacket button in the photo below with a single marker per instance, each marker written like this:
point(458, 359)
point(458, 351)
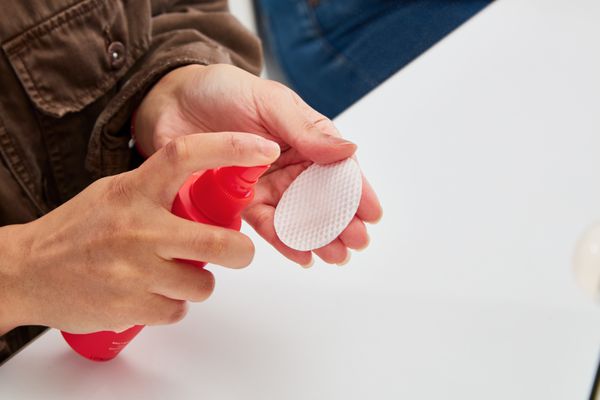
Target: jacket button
point(116, 55)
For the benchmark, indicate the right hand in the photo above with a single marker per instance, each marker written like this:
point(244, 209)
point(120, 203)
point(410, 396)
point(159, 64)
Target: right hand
point(106, 259)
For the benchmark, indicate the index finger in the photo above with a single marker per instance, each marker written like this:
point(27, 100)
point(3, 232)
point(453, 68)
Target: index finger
point(287, 116)
point(165, 171)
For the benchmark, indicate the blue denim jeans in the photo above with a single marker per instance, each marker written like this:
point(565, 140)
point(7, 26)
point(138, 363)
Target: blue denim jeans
point(333, 52)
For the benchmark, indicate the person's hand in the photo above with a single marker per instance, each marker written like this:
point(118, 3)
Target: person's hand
point(196, 99)
point(106, 259)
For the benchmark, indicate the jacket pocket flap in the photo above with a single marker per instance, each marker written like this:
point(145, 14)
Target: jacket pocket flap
point(71, 59)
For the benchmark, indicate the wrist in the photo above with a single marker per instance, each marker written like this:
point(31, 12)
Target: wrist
point(14, 311)
point(160, 107)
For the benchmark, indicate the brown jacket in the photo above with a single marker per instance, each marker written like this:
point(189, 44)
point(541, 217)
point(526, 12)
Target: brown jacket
point(72, 71)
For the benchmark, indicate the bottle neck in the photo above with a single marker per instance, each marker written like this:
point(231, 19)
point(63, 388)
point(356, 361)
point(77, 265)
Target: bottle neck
point(222, 194)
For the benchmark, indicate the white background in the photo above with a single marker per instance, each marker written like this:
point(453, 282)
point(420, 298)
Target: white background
point(485, 155)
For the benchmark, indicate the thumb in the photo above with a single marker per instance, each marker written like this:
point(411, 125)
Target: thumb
point(162, 175)
point(288, 117)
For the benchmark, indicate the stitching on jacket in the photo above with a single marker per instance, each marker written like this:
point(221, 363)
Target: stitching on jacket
point(90, 92)
point(21, 46)
point(16, 165)
point(21, 42)
point(31, 82)
point(54, 147)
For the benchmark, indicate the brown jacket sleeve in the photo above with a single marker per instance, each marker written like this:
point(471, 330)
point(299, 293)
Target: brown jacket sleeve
point(186, 32)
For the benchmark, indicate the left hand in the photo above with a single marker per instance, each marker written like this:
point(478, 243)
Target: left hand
point(217, 98)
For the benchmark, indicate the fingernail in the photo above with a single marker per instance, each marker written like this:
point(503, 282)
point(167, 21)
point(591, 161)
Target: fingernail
point(310, 264)
point(346, 260)
point(340, 141)
point(269, 148)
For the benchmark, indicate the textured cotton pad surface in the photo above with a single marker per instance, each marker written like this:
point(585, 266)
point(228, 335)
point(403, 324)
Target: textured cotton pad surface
point(318, 205)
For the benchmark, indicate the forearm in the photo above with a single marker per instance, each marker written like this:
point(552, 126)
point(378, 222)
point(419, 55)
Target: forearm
point(13, 253)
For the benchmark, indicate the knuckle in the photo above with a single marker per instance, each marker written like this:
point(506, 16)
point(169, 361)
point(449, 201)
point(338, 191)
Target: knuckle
point(122, 276)
point(309, 125)
point(246, 253)
point(323, 123)
point(317, 123)
point(214, 244)
point(118, 188)
point(114, 216)
point(235, 145)
point(177, 150)
point(206, 286)
point(177, 312)
point(262, 220)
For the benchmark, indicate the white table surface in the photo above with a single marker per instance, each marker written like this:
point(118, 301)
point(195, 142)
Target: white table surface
point(486, 154)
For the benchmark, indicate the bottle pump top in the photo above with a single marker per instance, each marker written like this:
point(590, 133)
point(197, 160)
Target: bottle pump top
point(221, 194)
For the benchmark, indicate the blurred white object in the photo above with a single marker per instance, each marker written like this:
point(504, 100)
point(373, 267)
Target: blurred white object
point(586, 262)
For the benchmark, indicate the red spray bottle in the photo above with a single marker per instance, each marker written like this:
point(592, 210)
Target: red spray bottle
point(215, 197)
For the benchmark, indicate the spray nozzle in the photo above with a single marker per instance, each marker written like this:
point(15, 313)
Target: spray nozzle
point(221, 194)
point(240, 180)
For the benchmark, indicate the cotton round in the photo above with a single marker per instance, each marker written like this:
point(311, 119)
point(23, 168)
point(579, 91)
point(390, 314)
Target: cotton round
point(319, 205)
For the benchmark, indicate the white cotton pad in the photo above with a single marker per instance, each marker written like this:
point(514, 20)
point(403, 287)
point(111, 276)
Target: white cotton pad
point(319, 205)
